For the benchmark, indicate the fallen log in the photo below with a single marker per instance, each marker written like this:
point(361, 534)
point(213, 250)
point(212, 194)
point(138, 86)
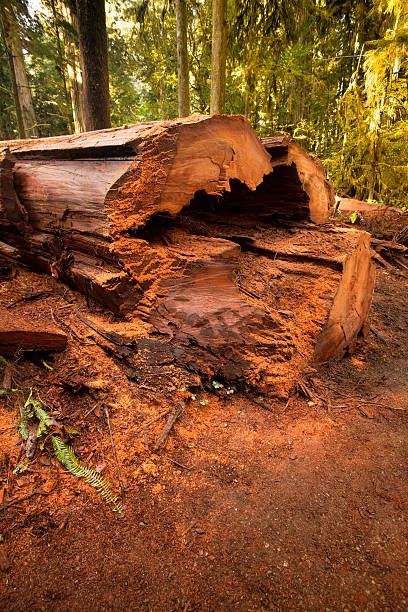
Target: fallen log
point(194, 227)
point(350, 205)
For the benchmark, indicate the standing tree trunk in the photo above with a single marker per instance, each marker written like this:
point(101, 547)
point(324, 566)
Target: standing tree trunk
point(219, 56)
point(23, 99)
point(94, 58)
point(182, 60)
point(61, 68)
point(73, 69)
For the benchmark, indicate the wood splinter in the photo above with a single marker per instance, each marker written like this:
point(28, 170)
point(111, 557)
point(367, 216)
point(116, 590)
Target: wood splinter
point(176, 414)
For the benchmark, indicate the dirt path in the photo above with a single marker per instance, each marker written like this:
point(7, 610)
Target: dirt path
point(297, 507)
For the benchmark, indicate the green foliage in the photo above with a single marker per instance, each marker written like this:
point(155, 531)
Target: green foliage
point(35, 408)
point(65, 455)
point(22, 466)
point(23, 424)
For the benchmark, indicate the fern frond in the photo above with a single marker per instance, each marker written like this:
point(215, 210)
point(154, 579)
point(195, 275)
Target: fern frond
point(41, 414)
point(22, 466)
point(23, 424)
point(66, 456)
point(42, 428)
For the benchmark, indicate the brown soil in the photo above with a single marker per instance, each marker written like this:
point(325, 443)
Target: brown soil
point(253, 503)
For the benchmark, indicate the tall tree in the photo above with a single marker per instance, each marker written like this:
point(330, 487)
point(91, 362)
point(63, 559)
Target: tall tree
point(219, 56)
point(93, 45)
point(27, 125)
point(70, 32)
point(61, 65)
point(182, 59)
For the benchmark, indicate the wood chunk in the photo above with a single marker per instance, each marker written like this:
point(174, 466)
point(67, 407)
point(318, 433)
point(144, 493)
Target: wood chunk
point(351, 304)
point(228, 318)
point(17, 333)
point(164, 434)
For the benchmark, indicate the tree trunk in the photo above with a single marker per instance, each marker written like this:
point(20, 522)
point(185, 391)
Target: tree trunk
point(182, 60)
point(94, 59)
point(73, 70)
point(219, 57)
point(190, 228)
point(19, 115)
point(61, 68)
point(21, 88)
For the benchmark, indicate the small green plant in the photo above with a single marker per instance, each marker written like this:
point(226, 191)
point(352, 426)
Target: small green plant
point(34, 409)
point(22, 466)
point(66, 456)
point(217, 385)
point(46, 365)
point(353, 217)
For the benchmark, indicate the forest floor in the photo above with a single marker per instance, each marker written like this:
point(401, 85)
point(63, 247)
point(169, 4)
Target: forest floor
point(253, 503)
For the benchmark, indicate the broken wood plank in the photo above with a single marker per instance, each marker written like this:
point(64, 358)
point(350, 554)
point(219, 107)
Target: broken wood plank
point(18, 334)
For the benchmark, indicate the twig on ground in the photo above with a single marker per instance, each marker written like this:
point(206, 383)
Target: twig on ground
point(89, 411)
point(30, 298)
point(146, 441)
point(350, 397)
point(287, 404)
point(176, 413)
point(380, 335)
point(185, 467)
point(162, 414)
point(122, 488)
point(13, 502)
point(189, 528)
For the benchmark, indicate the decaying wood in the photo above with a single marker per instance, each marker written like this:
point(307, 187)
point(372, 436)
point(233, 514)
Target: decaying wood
point(195, 228)
point(176, 414)
point(4, 562)
point(289, 159)
point(32, 297)
point(31, 443)
point(17, 333)
point(349, 205)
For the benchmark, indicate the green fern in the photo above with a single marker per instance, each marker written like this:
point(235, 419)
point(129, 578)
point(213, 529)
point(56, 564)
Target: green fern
point(43, 416)
point(22, 466)
point(23, 424)
point(65, 455)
